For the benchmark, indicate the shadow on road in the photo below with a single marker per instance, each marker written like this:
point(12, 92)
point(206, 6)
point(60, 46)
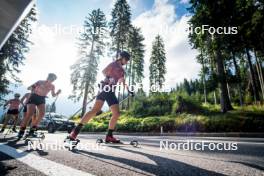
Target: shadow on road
point(5, 169)
point(249, 165)
point(163, 166)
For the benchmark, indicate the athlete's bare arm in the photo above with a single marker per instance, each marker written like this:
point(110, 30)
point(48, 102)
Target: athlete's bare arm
point(32, 87)
point(55, 94)
point(7, 103)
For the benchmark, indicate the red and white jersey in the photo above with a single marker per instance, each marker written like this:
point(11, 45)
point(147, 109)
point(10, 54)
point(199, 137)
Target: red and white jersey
point(13, 104)
point(114, 71)
point(42, 88)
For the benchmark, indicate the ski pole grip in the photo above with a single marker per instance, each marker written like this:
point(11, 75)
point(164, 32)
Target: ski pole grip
point(131, 93)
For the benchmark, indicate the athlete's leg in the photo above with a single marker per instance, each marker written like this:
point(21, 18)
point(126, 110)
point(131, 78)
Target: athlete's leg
point(24, 114)
point(29, 113)
point(15, 122)
point(115, 116)
point(41, 113)
point(88, 116)
point(34, 118)
point(6, 119)
point(34, 124)
point(24, 123)
point(112, 123)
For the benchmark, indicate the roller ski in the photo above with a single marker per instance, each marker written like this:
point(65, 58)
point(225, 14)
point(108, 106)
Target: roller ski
point(10, 131)
point(70, 143)
point(34, 136)
point(110, 140)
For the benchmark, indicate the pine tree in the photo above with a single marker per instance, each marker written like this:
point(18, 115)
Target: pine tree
point(91, 45)
point(157, 66)
point(209, 13)
point(135, 70)
point(12, 54)
point(120, 24)
point(136, 48)
point(119, 30)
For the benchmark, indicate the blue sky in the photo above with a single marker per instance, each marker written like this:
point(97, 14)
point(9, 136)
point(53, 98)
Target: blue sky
point(68, 12)
point(55, 51)
point(78, 9)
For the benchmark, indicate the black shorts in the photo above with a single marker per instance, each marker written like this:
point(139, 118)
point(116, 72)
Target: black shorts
point(109, 97)
point(36, 99)
point(13, 111)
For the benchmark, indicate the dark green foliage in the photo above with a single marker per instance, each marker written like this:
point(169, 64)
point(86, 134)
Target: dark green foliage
point(150, 124)
point(129, 124)
point(234, 59)
point(186, 105)
point(156, 104)
point(12, 54)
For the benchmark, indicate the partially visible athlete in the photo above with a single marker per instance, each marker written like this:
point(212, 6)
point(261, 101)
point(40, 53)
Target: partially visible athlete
point(37, 100)
point(12, 112)
point(24, 101)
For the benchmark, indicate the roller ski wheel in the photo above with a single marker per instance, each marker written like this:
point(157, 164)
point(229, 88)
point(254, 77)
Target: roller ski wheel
point(35, 135)
point(133, 143)
point(71, 144)
point(99, 141)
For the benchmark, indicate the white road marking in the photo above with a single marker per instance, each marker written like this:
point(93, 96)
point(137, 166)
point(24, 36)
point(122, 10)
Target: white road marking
point(43, 165)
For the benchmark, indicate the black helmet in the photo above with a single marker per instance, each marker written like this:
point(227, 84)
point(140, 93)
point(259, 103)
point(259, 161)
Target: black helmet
point(52, 77)
point(17, 95)
point(125, 54)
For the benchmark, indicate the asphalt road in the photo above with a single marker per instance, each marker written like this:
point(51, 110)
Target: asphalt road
point(156, 155)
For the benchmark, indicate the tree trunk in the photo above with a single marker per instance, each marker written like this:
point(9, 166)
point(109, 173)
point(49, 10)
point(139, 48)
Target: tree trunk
point(212, 66)
point(253, 78)
point(239, 80)
point(84, 104)
point(224, 99)
point(215, 100)
point(129, 80)
point(260, 75)
point(117, 51)
point(227, 85)
point(123, 93)
point(228, 91)
point(204, 81)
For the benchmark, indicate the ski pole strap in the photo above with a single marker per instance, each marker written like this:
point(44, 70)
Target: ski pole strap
point(131, 93)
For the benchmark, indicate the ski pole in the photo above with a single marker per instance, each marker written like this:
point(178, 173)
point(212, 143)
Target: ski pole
point(53, 103)
point(75, 113)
